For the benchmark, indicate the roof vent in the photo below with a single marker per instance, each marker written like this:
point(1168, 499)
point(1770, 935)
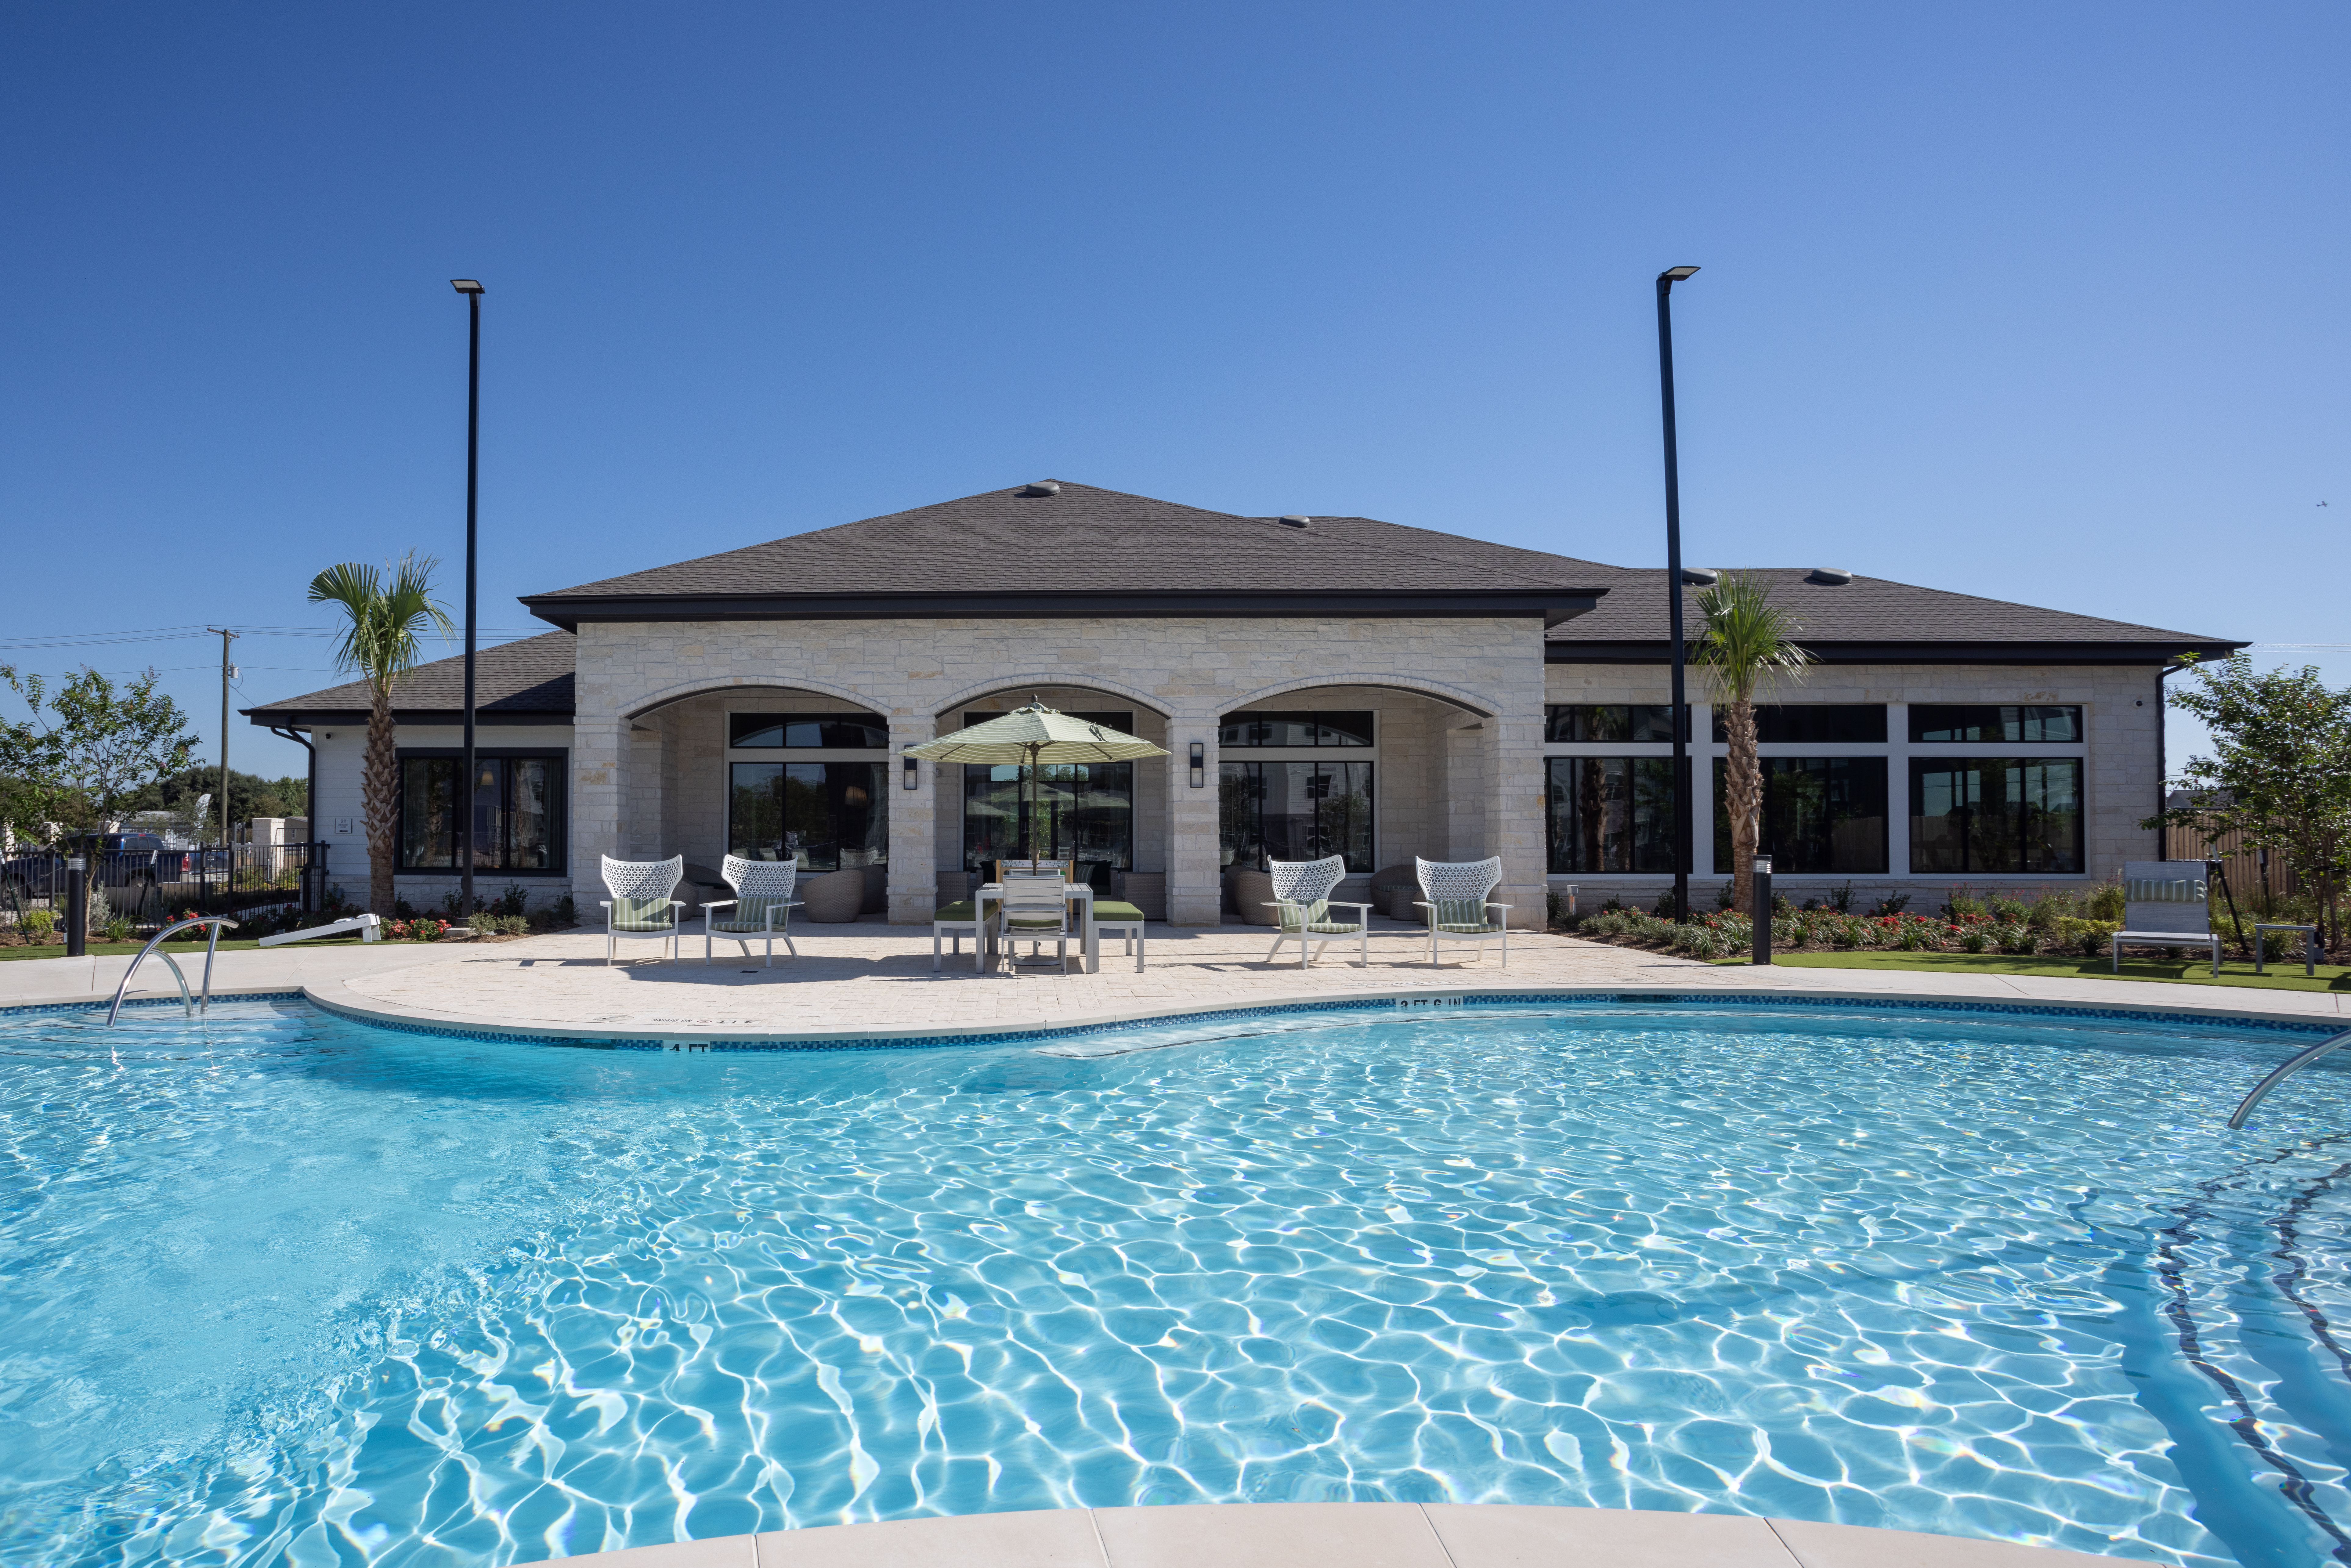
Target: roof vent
point(1296, 522)
point(1829, 576)
point(1042, 488)
point(1699, 577)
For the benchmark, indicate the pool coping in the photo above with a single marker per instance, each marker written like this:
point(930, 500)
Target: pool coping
point(1375, 1534)
point(727, 1037)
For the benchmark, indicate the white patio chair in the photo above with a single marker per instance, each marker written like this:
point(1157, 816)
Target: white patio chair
point(641, 905)
point(1458, 909)
point(954, 921)
point(1117, 917)
point(762, 907)
point(2166, 903)
point(1301, 907)
point(1035, 910)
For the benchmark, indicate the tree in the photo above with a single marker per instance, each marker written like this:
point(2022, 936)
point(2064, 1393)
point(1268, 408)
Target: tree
point(379, 645)
point(1746, 647)
point(74, 763)
point(250, 794)
point(2280, 771)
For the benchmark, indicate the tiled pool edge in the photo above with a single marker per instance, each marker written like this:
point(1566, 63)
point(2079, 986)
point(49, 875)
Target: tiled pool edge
point(1403, 1535)
point(722, 1038)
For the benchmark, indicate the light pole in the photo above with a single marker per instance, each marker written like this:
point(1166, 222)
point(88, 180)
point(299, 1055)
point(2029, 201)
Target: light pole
point(1665, 281)
point(467, 809)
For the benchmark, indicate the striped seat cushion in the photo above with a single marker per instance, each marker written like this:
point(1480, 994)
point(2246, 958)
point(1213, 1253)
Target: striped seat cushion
point(643, 915)
point(1315, 917)
point(1463, 916)
point(751, 915)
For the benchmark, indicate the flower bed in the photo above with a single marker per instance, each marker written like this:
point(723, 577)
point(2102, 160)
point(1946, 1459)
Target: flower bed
point(1724, 934)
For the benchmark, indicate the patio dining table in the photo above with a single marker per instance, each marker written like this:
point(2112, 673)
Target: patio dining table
point(1080, 893)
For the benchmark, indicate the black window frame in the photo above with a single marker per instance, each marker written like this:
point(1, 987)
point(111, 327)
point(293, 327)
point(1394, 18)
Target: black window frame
point(1652, 801)
point(1233, 724)
point(558, 807)
point(784, 724)
point(1252, 803)
point(1635, 724)
point(1812, 724)
point(1922, 713)
point(1969, 866)
point(1787, 857)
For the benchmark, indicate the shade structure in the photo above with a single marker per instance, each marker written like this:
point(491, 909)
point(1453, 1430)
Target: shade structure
point(1033, 735)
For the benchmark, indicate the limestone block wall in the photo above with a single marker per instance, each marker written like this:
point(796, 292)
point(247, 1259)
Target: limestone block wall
point(1190, 672)
point(2122, 756)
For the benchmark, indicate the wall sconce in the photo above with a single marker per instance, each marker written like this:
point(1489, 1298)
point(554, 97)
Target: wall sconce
point(912, 773)
point(1199, 765)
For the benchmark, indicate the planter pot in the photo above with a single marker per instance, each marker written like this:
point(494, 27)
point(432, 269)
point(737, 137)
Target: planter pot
point(1252, 893)
point(833, 898)
point(1394, 890)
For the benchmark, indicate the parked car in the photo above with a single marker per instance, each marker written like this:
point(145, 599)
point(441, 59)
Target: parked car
point(124, 859)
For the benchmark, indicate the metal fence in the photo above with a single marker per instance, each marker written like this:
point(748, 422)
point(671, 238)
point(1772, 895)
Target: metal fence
point(150, 887)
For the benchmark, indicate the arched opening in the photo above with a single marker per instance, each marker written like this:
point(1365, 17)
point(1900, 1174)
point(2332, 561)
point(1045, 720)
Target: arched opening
point(1107, 819)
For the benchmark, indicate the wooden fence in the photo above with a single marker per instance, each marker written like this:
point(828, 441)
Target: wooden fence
point(2242, 866)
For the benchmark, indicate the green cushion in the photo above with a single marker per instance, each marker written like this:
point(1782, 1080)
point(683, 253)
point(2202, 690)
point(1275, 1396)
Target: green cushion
point(1112, 909)
point(1032, 926)
point(1292, 914)
point(1334, 928)
point(964, 911)
point(1461, 914)
point(751, 915)
point(642, 914)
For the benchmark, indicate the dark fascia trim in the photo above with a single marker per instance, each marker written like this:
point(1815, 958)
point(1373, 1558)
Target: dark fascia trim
point(267, 717)
point(1916, 652)
point(1555, 605)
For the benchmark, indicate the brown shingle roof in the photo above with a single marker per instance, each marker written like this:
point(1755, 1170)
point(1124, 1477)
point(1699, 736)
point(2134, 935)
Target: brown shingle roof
point(523, 679)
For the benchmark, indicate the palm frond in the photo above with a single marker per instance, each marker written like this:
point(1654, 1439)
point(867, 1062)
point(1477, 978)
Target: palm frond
point(381, 642)
point(1748, 643)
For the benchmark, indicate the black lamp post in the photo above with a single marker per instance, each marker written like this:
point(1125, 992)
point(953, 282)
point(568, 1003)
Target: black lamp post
point(1665, 281)
point(472, 785)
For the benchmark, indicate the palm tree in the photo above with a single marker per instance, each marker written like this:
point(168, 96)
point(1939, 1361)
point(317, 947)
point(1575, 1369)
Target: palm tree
point(379, 645)
point(1747, 647)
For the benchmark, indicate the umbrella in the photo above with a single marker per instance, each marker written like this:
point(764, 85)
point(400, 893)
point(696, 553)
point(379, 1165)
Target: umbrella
point(1031, 737)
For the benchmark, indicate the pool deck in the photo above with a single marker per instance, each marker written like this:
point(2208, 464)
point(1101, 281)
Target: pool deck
point(1357, 1534)
point(869, 980)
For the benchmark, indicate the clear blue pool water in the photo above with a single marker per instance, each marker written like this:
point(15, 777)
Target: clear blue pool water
point(284, 1289)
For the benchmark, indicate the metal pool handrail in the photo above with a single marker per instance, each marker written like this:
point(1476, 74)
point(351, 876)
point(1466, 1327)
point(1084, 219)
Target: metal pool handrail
point(212, 944)
point(2285, 1071)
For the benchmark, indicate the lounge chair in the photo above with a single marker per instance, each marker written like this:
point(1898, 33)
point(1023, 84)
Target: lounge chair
point(1458, 910)
point(1301, 906)
point(641, 905)
point(762, 907)
point(2166, 903)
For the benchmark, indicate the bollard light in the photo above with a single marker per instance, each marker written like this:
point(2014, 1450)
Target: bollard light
point(1762, 950)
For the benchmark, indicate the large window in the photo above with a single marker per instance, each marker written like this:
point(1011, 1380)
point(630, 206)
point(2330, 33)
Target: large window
point(1812, 723)
point(1820, 813)
point(1610, 813)
point(1996, 814)
point(808, 731)
point(1295, 811)
point(1349, 727)
point(1993, 722)
point(517, 802)
point(1609, 721)
point(1083, 813)
point(825, 816)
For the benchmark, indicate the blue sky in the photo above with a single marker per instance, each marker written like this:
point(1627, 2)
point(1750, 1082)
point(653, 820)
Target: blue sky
point(2039, 302)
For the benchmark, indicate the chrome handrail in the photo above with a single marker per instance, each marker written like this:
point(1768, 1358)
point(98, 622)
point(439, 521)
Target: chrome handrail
point(212, 945)
point(2285, 1071)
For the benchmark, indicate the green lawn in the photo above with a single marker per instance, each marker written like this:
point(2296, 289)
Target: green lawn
point(228, 945)
point(2284, 976)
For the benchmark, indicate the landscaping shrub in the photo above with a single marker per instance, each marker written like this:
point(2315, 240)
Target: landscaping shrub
point(2007, 910)
point(1974, 940)
point(1891, 904)
point(2090, 938)
point(2104, 903)
point(38, 923)
point(2020, 940)
point(1842, 899)
point(1960, 902)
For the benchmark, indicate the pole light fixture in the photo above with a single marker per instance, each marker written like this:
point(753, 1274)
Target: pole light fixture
point(469, 806)
point(1674, 584)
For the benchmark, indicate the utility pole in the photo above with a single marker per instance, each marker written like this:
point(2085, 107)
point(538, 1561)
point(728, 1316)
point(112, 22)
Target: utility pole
point(229, 673)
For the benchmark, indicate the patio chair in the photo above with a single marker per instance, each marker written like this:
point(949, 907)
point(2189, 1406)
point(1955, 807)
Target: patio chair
point(954, 922)
point(762, 907)
point(1458, 909)
point(1114, 915)
point(1035, 910)
point(2166, 904)
point(641, 905)
point(1301, 894)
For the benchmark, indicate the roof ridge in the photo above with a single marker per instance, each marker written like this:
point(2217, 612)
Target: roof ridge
point(1453, 561)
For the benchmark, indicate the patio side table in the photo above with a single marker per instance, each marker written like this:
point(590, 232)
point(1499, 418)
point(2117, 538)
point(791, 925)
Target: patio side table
point(2309, 945)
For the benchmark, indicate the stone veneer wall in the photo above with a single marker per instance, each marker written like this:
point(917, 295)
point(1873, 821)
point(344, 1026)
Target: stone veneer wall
point(625, 771)
point(342, 748)
point(2123, 726)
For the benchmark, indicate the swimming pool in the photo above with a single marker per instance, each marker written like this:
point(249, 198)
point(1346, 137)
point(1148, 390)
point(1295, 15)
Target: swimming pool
point(282, 1287)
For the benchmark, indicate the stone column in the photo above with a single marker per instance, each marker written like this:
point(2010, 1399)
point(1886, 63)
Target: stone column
point(1514, 814)
point(1196, 888)
point(595, 807)
point(915, 822)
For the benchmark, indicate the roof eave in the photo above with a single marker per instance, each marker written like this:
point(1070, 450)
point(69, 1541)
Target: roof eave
point(1923, 651)
point(289, 718)
point(1555, 605)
